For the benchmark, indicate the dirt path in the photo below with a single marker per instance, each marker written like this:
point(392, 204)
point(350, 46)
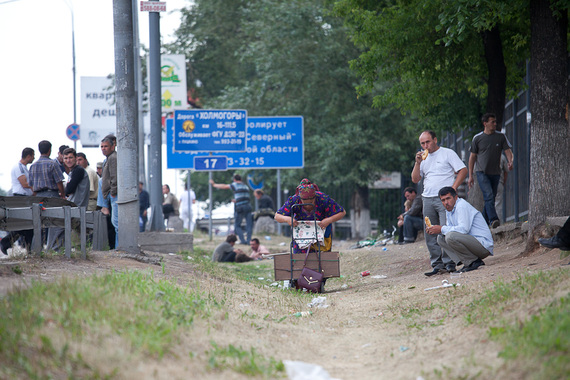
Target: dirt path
point(382, 326)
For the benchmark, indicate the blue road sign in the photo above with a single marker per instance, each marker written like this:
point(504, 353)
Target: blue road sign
point(273, 142)
point(210, 130)
point(72, 132)
point(211, 163)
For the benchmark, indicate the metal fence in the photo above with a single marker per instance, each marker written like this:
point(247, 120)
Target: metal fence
point(517, 129)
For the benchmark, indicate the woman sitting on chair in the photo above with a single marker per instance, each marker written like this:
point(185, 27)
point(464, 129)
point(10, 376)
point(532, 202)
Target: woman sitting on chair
point(317, 205)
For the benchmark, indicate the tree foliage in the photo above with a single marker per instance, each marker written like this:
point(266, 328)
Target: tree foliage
point(433, 54)
point(292, 59)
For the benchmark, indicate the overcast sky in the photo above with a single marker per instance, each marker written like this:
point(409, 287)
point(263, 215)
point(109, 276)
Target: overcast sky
point(36, 77)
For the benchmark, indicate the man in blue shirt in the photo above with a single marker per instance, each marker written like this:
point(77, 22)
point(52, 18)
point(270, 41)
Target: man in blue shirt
point(466, 236)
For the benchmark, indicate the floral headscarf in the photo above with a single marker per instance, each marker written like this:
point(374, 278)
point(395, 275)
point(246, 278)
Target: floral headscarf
point(306, 189)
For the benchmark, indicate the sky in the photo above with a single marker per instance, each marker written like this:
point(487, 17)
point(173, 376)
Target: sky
point(36, 76)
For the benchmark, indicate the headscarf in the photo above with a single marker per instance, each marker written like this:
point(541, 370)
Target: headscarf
point(306, 189)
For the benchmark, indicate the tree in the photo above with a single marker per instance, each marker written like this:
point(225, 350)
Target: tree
point(300, 56)
point(445, 61)
point(550, 132)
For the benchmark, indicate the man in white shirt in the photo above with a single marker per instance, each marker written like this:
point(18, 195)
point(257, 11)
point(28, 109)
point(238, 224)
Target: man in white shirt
point(441, 167)
point(465, 236)
point(187, 208)
point(20, 187)
point(20, 174)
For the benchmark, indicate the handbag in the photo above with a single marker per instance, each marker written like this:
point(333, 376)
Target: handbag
point(309, 278)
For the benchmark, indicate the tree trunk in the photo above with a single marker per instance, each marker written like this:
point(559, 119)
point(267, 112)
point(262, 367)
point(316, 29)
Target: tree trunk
point(497, 80)
point(550, 131)
point(360, 214)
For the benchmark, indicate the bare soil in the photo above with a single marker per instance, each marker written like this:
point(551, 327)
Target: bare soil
point(382, 326)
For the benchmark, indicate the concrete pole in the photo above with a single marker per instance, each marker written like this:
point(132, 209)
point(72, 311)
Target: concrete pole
point(139, 91)
point(155, 152)
point(126, 129)
point(279, 203)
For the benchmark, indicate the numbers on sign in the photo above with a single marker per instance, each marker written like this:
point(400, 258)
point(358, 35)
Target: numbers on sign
point(210, 163)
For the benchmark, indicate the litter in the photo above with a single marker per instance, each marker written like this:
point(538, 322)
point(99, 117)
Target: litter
point(379, 276)
point(444, 284)
point(297, 370)
point(319, 302)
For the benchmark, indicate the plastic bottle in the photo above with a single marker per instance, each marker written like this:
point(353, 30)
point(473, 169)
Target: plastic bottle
point(303, 313)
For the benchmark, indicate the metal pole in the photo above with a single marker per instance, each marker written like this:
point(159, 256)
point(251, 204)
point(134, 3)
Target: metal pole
point(155, 153)
point(126, 129)
point(211, 201)
point(189, 184)
point(279, 198)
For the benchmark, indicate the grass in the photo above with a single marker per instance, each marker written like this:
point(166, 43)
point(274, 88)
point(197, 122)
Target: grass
point(45, 320)
point(247, 362)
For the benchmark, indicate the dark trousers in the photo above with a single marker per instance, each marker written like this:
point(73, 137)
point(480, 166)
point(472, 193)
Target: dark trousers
point(489, 185)
point(564, 233)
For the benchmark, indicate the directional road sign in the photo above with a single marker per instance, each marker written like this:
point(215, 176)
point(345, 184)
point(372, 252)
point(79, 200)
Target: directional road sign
point(273, 142)
point(209, 130)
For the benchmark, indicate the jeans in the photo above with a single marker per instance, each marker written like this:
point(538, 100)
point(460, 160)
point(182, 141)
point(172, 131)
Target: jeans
point(412, 224)
point(435, 211)
point(243, 211)
point(115, 218)
point(489, 184)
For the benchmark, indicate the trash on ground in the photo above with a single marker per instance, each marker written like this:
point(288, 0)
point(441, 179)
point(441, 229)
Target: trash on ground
point(319, 302)
point(365, 273)
point(303, 314)
point(379, 276)
point(444, 284)
point(404, 348)
point(297, 370)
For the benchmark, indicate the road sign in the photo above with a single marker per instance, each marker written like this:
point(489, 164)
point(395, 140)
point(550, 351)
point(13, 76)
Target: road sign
point(73, 132)
point(211, 163)
point(209, 130)
point(153, 6)
point(273, 142)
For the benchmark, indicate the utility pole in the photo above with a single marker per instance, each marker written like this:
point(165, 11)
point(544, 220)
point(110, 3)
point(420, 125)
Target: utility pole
point(155, 152)
point(126, 126)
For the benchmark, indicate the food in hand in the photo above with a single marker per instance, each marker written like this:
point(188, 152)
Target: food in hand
point(428, 222)
point(425, 154)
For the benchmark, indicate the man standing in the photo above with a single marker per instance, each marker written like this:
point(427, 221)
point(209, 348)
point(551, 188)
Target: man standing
point(109, 180)
point(21, 174)
point(144, 204)
point(413, 220)
point(59, 158)
point(77, 189)
point(93, 181)
point(20, 187)
point(442, 167)
point(46, 180)
point(486, 150)
point(466, 236)
point(242, 207)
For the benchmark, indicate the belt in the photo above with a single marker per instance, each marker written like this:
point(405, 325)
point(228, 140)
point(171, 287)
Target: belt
point(46, 189)
point(20, 195)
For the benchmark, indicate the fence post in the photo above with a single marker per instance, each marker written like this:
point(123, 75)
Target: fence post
point(67, 223)
point(83, 232)
point(37, 221)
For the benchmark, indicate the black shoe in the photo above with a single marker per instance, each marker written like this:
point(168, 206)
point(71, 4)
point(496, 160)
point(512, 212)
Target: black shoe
point(4, 249)
point(451, 269)
point(495, 223)
point(473, 266)
point(553, 242)
point(433, 272)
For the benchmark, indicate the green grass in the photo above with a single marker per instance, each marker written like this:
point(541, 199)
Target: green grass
point(144, 312)
point(247, 362)
point(539, 343)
